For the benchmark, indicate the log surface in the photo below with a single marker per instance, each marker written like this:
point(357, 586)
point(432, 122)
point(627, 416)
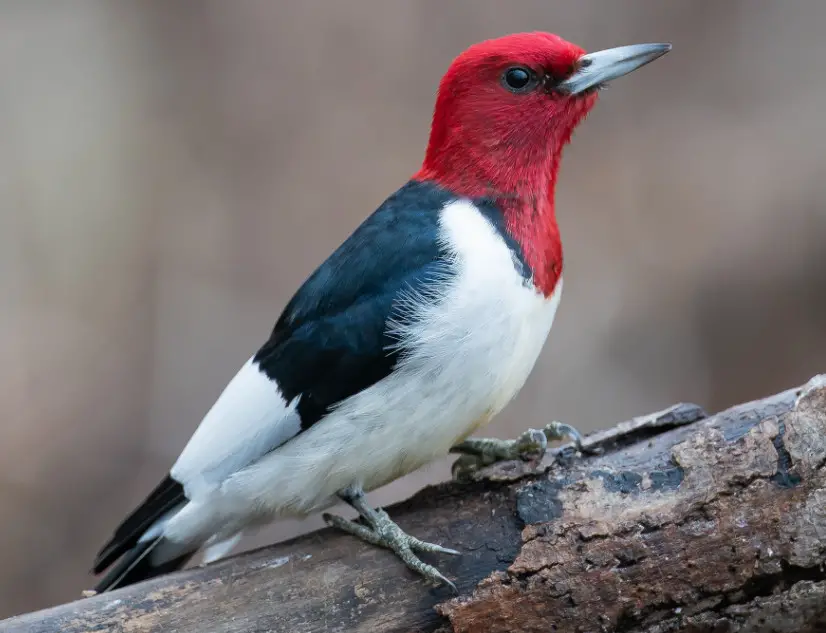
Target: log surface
point(685, 523)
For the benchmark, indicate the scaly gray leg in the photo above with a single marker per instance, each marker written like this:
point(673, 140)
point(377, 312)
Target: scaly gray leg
point(382, 531)
point(531, 445)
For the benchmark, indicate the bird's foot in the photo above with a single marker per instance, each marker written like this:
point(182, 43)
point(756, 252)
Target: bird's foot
point(384, 532)
point(478, 453)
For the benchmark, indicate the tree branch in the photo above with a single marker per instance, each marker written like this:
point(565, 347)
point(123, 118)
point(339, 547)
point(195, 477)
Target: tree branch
point(685, 523)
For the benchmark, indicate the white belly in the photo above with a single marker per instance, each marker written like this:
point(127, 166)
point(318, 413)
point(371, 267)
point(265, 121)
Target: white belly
point(465, 357)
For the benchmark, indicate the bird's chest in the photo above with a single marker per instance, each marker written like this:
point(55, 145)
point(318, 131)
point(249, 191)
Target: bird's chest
point(485, 344)
point(473, 348)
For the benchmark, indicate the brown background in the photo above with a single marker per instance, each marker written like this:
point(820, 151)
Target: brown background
point(170, 172)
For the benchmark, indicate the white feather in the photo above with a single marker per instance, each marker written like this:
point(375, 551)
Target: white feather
point(466, 355)
point(157, 528)
point(219, 549)
point(249, 418)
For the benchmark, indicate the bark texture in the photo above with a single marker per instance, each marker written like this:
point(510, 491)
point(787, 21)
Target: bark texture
point(685, 523)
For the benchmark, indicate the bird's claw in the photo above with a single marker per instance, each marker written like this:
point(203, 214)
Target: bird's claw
point(530, 446)
point(386, 533)
point(560, 431)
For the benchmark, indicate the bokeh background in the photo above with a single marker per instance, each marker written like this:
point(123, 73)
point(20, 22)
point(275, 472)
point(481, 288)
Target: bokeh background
point(170, 172)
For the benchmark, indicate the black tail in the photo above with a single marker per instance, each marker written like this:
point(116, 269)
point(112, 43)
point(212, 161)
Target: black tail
point(136, 562)
point(137, 565)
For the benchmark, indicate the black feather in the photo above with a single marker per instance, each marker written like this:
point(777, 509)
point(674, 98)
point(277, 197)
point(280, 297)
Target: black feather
point(331, 341)
point(137, 565)
point(167, 495)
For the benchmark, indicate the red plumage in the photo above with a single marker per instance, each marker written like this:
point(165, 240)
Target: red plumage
point(488, 142)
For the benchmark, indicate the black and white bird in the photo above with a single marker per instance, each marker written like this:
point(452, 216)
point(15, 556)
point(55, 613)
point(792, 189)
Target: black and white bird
point(410, 337)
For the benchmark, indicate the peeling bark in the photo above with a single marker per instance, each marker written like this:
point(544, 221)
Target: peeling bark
point(726, 535)
point(684, 523)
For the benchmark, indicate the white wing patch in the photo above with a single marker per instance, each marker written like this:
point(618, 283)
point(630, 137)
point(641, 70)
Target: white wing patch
point(249, 419)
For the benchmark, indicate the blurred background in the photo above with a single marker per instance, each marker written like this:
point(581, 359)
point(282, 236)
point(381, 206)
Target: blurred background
point(171, 172)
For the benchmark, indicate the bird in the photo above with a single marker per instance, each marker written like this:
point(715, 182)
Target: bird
point(409, 338)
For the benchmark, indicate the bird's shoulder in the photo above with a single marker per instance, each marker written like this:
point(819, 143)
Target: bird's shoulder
point(396, 240)
point(331, 340)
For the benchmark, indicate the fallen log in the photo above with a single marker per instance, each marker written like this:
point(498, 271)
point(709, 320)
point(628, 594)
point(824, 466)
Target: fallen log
point(684, 523)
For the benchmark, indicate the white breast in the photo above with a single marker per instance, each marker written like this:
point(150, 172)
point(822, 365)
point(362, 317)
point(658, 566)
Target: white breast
point(488, 332)
point(467, 350)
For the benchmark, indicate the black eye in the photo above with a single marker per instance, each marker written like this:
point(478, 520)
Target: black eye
point(519, 79)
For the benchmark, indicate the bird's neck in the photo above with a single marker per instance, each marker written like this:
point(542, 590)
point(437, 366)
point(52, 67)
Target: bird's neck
point(521, 186)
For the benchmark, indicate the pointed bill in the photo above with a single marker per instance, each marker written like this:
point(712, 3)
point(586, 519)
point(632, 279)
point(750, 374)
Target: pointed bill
point(595, 69)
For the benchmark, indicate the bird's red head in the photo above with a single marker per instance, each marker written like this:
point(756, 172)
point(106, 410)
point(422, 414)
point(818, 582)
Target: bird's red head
point(499, 122)
point(505, 110)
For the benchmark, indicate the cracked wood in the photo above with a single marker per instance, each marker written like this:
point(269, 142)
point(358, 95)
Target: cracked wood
point(685, 523)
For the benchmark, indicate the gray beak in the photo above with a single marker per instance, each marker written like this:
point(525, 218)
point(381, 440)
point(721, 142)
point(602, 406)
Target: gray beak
point(598, 68)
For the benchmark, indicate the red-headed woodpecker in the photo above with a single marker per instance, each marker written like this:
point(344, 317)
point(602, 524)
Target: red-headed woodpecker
point(411, 336)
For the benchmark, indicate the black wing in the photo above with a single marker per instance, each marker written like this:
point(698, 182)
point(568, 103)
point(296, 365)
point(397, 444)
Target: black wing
point(331, 341)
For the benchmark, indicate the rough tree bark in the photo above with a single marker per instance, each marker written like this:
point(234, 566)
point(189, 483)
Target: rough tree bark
point(685, 523)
